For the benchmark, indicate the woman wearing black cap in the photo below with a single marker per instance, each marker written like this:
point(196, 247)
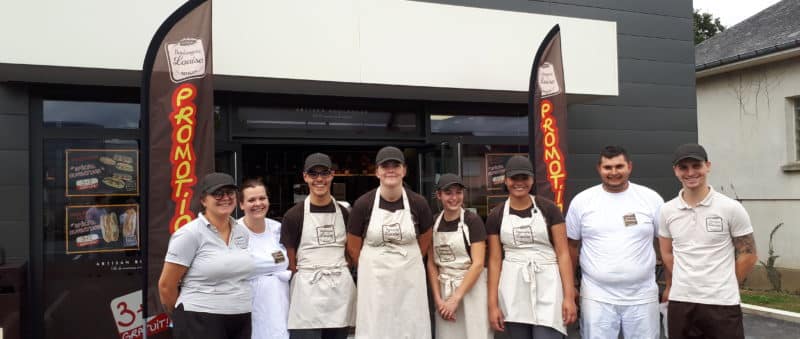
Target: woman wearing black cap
point(394, 227)
point(209, 260)
point(455, 266)
point(531, 290)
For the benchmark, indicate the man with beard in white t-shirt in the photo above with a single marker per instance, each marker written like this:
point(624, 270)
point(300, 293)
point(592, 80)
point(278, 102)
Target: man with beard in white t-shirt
point(615, 224)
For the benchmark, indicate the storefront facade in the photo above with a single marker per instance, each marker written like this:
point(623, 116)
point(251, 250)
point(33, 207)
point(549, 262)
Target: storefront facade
point(446, 81)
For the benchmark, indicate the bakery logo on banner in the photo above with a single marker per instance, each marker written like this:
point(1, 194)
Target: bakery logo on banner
point(548, 83)
point(186, 59)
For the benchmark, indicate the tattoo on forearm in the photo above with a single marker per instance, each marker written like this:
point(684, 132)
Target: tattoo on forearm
point(745, 244)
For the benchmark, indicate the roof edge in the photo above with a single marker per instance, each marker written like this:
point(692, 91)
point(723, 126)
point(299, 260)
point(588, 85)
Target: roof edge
point(762, 56)
point(748, 55)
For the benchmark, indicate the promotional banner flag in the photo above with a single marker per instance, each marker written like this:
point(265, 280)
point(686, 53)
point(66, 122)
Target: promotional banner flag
point(547, 117)
point(177, 110)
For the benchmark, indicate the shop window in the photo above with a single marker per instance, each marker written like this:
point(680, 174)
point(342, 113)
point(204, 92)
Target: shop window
point(90, 201)
point(479, 125)
point(797, 129)
point(62, 113)
point(326, 122)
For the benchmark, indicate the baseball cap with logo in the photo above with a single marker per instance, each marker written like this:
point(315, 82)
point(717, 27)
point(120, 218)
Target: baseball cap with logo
point(518, 165)
point(210, 183)
point(389, 153)
point(317, 159)
point(447, 180)
point(689, 151)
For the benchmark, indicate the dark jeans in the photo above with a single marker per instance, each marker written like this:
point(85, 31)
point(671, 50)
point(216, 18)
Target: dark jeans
point(191, 325)
point(691, 320)
point(528, 331)
point(320, 333)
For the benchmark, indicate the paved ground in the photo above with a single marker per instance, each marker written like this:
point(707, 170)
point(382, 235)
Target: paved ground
point(755, 327)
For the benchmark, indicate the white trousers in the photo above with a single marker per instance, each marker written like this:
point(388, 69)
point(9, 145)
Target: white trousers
point(600, 320)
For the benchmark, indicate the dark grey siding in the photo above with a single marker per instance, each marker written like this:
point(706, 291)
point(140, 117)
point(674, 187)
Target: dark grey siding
point(14, 171)
point(656, 107)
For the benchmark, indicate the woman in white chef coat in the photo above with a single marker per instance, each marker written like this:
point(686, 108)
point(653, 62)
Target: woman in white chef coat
point(455, 266)
point(531, 286)
point(394, 227)
point(270, 280)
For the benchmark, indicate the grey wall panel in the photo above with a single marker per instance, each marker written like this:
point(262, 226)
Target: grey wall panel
point(14, 199)
point(655, 49)
point(659, 26)
point(13, 100)
point(656, 72)
point(15, 238)
point(635, 141)
point(632, 23)
point(13, 132)
point(13, 167)
point(591, 116)
point(676, 8)
point(651, 95)
point(14, 171)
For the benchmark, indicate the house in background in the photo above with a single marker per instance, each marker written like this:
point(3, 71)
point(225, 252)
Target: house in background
point(748, 111)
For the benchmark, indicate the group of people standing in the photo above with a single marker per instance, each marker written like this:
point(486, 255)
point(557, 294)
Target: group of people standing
point(255, 277)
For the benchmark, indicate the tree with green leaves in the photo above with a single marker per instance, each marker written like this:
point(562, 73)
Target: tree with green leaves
point(705, 26)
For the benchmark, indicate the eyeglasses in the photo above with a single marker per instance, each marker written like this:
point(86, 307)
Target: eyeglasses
point(223, 192)
point(316, 174)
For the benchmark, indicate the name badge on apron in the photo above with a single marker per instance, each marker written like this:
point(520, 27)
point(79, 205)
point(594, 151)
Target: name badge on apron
point(445, 253)
point(392, 232)
point(630, 219)
point(326, 235)
point(278, 257)
point(523, 235)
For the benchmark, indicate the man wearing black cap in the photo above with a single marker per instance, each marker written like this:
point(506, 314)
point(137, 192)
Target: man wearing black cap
point(388, 232)
point(314, 234)
point(707, 246)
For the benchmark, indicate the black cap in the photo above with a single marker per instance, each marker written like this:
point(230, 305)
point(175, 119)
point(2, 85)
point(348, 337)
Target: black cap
point(389, 153)
point(447, 180)
point(210, 183)
point(214, 181)
point(517, 165)
point(317, 159)
point(689, 151)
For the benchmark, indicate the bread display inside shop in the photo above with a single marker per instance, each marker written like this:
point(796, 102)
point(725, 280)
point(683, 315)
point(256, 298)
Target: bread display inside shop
point(110, 227)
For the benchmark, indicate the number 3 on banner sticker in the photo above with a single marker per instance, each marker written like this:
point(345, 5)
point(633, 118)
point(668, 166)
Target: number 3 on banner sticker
point(127, 311)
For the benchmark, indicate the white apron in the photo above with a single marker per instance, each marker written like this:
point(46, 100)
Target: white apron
point(530, 285)
point(392, 289)
point(270, 283)
point(323, 292)
point(451, 257)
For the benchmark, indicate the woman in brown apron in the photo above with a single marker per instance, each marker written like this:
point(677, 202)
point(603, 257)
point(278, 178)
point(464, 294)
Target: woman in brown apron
point(531, 286)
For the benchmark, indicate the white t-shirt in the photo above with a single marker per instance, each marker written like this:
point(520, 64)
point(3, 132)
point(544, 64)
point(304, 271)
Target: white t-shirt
point(268, 253)
point(617, 255)
point(217, 278)
point(704, 267)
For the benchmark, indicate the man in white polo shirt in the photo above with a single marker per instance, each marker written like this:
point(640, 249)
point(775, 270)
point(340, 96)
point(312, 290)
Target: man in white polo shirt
point(707, 246)
point(615, 224)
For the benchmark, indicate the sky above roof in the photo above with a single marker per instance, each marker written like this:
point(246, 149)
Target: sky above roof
point(731, 12)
